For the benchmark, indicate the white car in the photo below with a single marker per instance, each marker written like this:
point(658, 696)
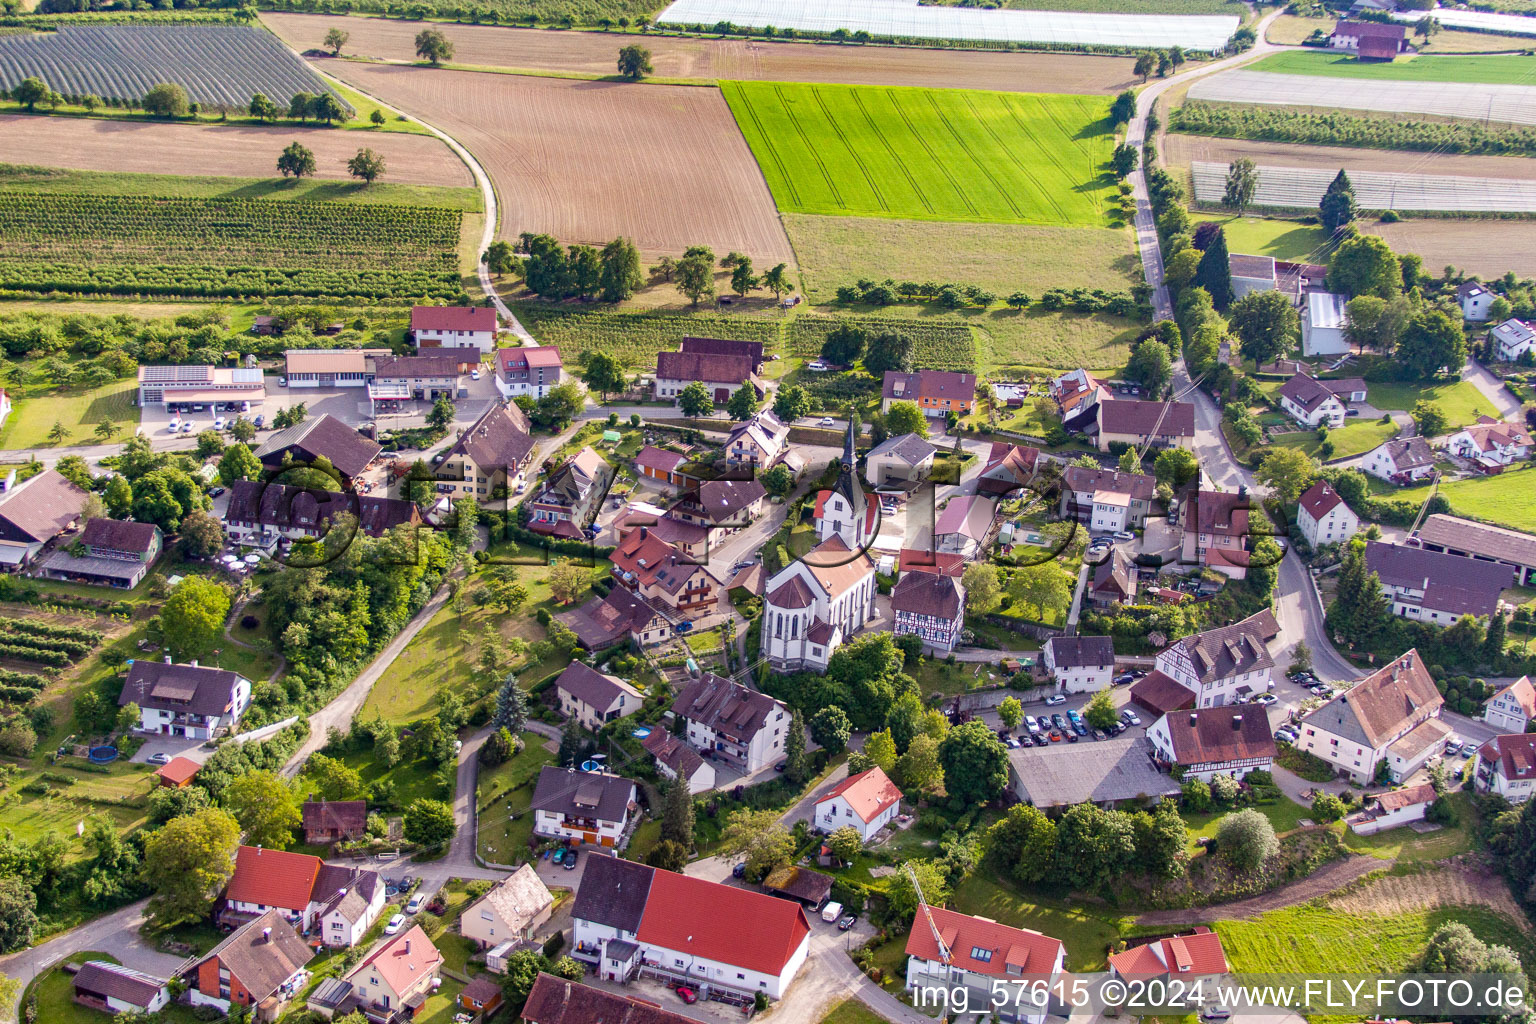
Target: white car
point(827, 421)
point(1125, 535)
point(395, 924)
point(1266, 699)
point(220, 423)
point(1056, 698)
point(187, 427)
point(1130, 717)
point(474, 374)
point(415, 904)
point(175, 425)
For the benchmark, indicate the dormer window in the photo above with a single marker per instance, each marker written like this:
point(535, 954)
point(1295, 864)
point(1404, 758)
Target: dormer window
point(984, 955)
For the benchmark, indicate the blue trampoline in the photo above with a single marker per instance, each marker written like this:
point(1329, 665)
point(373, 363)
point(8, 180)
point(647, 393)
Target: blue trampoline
point(102, 755)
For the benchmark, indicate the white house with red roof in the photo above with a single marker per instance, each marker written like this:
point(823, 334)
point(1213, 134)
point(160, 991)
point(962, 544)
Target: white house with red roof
point(339, 902)
point(867, 801)
point(531, 370)
point(1506, 765)
point(1198, 954)
point(1513, 707)
point(397, 976)
point(980, 952)
point(1323, 517)
point(1490, 443)
point(454, 327)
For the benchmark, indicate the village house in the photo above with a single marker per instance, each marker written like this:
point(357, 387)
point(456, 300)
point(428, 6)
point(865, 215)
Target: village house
point(689, 538)
point(1312, 403)
point(742, 728)
point(115, 553)
point(664, 577)
point(1145, 424)
point(722, 374)
point(566, 503)
point(334, 821)
point(722, 506)
point(321, 437)
point(1251, 274)
point(816, 603)
point(1512, 707)
point(1220, 521)
point(589, 807)
point(490, 455)
point(1009, 469)
point(454, 327)
point(616, 617)
point(34, 514)
point(1431, 586)
point(931, 607)
point(1475, 301)
point(899, 462)
point(1095, 496)
point(1232, 740)
point(1459, 536)
point(1382, 811)
point(1391, 715)
point(1506, 765)
point(633, 920)
point(113, 988)
point(515, 908)
point(1490, 444)
point(333, 903)
point(260, 515)
point(1077, 394)
point(532, 370)
point(398, 976)
point(1323, 325)
point(760, 441)
point(595, 699)
point(866, 801)
point(936, 392)
point(191, 700)
point(752, 350)
point(965, 525)
point(1323, 517)
point(1114, 581)
point(1195, 955)
point(557, 1001)
point(190, 388)
point(677, 760)
point(1080, 664)
point(1512, 339)
point(843, 511)
point(260, 966)
point(1401, 461)
point(660, 464)
point(425, 377)
point(1224, 665)
point(330, 367)
point(979, 955)
point(1370, 40)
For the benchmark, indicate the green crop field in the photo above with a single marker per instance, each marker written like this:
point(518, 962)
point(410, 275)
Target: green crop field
point(1490, 69)
point(929, 154)
point(1504, 499)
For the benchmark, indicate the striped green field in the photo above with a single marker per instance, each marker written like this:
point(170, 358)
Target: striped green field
point(1485, 69)
point(930, 154)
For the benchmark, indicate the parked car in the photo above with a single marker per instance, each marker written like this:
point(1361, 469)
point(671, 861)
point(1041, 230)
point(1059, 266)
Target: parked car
point(1055, 736)
point(1100, 734)
point(1468, 749)
point(1079, 728)
point(174, 425)
point(846, 922)
point(570, 860)
point(1059, 722)
point(1031, 724)
point(161, 758)
point(1012, 742)
point(1041, 740)
point(188, 426)
point(259, 421)
point(1056, 698)
point(245, 406)
point(1073, 716)
point(781, 766)
point(1124, 535)
point(1213, 1013)
point(414, 905)
point(558, 856)
point(474, 374)
point(219, 423)
point(1123, 678)
point(216, 492)
point(826, 421)
point(1266, 699)
point(740, 870)
point(1130, 717)
point(395, 924)
point(687, 994)
point(282, 382)
point(1285, 734)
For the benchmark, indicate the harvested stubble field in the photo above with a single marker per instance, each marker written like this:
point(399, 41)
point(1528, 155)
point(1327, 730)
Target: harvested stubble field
point(928, 154)
point(1002, 258)
point(594, 53)
point(1487, 248)
point(585, 161)
point(105, 144)
point(1179, 150)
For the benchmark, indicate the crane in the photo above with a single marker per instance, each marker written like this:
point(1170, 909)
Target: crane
point(928, 916)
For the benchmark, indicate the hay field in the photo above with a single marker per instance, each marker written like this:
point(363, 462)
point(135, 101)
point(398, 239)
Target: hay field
point(585, 161)
point(102, 144)
point(594, 53)
point(929, 154)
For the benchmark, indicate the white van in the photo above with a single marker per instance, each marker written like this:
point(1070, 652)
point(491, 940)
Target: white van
point(831, 912)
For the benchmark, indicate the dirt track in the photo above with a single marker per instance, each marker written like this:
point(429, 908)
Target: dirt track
point(1334, 875)
point(586, 161)
point(103, 144)
point(710, 59)
point(1180, 150)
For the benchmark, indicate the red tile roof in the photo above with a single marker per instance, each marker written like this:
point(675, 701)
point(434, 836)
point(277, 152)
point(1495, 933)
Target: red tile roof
point(1320, 499)
point(651, 457)
point(1198, 953)
point(674, 919)
point(868, 793)
point(402, 960)
point(273, 878)
point(1160, 693)
point(942, 563)
point(453, 318)
point(1513, 755)
point(1030, 952)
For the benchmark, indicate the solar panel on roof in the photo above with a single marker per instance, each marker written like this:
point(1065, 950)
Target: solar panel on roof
point(246, 376)
point(175, 374)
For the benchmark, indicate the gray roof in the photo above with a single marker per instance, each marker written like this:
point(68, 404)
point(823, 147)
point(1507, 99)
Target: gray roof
point(1409, 452)
point(43, 507)
point(725, 706)
point(1082, 651)
point(261, 963)
point(1478, 538)
point(199, 689)
point(1252, 267)
point(910, 448)
point(1063, 774)
point(613, 892)
point(1451, 583)
point(1139, 486)
point(94, 565)
point(330, 993)
point(325, 435)
point(108, 979)
point(119, 535)
point(586, 794)
point(1231, 650)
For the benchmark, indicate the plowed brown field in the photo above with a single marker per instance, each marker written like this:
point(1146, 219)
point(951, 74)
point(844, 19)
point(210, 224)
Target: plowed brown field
point(103, 144)
point(586, 161)
point(1487, 248)
point(711, 59)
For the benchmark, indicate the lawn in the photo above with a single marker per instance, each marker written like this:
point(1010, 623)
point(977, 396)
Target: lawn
point(1282, 239)
point(80, 412)
point(1354, 438)
point(1404, 845)
point(929, 154)
point(1035, 339)
point(504, 791)
point(851, 1011)
point(56, 1004)
point(1284, 814)
point(1500, 69)
point(1461, 402)
point(121, 795)
point(1504, 499)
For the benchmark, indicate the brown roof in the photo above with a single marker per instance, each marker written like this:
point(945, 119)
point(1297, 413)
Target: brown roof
point(1370, 29)
point(1230, 650)
point(802, 883)
point(43, 507)
point(343, 815)
point(178, 770)
point(1378, 48)
point(722, 500)
point(1081, 480)
point(1231, 733)
point(713, 369)
point(1478, 538)
point(1397, 799)
point(429, 362)
point(1143, 419)
point(325, 435)
point(725, 706)
point(1451, 583)
point(287, 507)
point(498, 439)
point(1009, 466)
point(1161, 694)
point(1513, 755)
point(1223, 513)
point(583, 794)
point(1306, 391)
point(1114, 574)
point(753, 350)
point(927, 593)
point(119, 535)
point(325, 360)
point(198, 689)
point(1378, 707)
point(261, 961)
point(1409, 453)
point(604, 621)
point(672, 752)
point(935, 385)
point(1320, 499)
point(651, 457)
point(556, 1001)
point(102, 978)
point(592, 687)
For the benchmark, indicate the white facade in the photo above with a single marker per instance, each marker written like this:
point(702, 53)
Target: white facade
point(1161, 738)
point(608, 833)
point(1111, 512)
point(1475, 300)
point(1388, 819)
point(1079, 678)
point(1380, 464)
point(179, 723)
point(764, 748)
point(1330, 411)
point(1174, 661)
point(938, 976)
point(1512, 339)
point(1322, 324)
point(1505, 450)
point(1336, 526)
point(698, 969)
point(338, 929)
point(835, 813)
point(1505, 712)
point(805, 636)
point(485, 341)
point(701, 781)
point(839, 519)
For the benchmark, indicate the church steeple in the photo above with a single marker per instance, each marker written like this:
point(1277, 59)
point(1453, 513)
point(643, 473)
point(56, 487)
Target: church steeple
point(848, 456)
point(848, 486)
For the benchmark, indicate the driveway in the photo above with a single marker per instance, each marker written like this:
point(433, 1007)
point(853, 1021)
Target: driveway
point(1493, 389)
point(171, 746)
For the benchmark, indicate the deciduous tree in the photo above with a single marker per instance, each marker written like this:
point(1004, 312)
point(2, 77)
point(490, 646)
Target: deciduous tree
point(335, 39)
point(1433, 344)
point(428, 823)
point(1430, 418)
point(187, 861)
point(1100, 711)
point(830, 729)
point(433, 46)
point(266, 807)
point(901, 896)
point(1246, 839)
point(905, 417)
point(975, 765)
point(1242, 182)
point(620, 274)
point(695, 400)
point(743, 403)
point(1266, 325)
point(634, 62)
point(981, 587)
point(166, 100)
point(603, 373)
point(791, 402)
point(366, 165)
point(1365, 265)
point(193, 616)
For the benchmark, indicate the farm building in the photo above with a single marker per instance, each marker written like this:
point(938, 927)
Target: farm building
point(1251, 274)
point(189, 388)
point(330, 367)
point(1459, 536)
point(113, 988)
point(331, 821)
point(117, 554)
point(1370, 40)
point(1322, 324)
point(722, 374)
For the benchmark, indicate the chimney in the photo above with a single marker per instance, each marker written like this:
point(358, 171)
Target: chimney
point(266, 935)
point(1193, 718)
point(194, 663)
point(407, 945)
point(167, 659)
point(1237, 722)
point(645, 531)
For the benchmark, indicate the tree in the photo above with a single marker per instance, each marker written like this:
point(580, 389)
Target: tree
point(975, 764)
point(982, 589)
point(888, 350)
point(1011, 712)
point(695, 400)
point(1042, 587)
point(1025, 842)
point(776, 279)
point(242, 430)
point(1246, 839)
point(845, 344)
point(300, 105)
point(778, 481)
point(499, 257)
point(433, 46)
point(266, 807)
point(796, 768)
point(166, 100)
point(906, 417)
point(1214, 273)
point(830, 729)
point(441, 413)
point(761, 837)
point(1327, 808)
point(1433, 344)
point(1365, 265)
point(333, 779)
point(696, 276)
point(335, 39)
point(791, 402)
point(118, 497)
point(743, 403)
point(428, 823)
point(880, 749)
point(31, 91)
point(1286, 471)
point(511, 707)
point(18, 914)
point(1430, 418)
point(1338, 204)
point(193, 616)
point(677, 814)
point(603, 373)
point(1242, 181)
point(1123, 160)
point(326, 107)
point(571, 744)
point(742, 278)
point(1124, 108)
point(238, 463)
point(901, 897)
point(919, 768)
point(1100, 711)
point(523, 970)
point(187, 861)
point(1162, 841)
point(367, 165)
point(845, 843)
point(1146, 63)
point(1266, 324)
point(261, 108)
point(619, 274)
point(296, 160)
point(202, 534)
point(1175, 467)
point(1093, 845)
point(567, 581)
point(634, 62)
point(1151, 364)
point(1130, 461)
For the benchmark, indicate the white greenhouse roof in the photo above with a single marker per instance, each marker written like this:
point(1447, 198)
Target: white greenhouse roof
point(1297, 187)
point(1514, 24)
point(907, 19)
point(1480, 102)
